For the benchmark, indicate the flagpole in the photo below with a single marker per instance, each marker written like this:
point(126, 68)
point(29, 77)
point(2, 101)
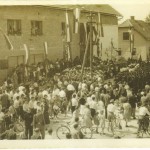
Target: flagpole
point(85, 54)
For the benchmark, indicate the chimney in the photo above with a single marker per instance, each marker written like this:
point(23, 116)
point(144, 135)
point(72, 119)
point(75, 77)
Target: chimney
point(132, 17)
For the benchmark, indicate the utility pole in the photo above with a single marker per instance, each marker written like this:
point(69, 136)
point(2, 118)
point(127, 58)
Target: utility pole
point(91, 40)
point(91, 43)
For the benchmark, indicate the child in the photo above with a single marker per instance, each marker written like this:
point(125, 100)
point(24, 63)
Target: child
point(102, 121)
point(56, 110)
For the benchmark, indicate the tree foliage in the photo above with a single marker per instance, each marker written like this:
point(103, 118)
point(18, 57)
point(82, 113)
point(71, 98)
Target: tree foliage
point(147, 19)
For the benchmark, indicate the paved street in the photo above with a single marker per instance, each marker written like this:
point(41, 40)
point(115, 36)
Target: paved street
point(125, 132)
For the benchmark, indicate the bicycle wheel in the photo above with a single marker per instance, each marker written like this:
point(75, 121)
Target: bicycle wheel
point(62, 131)
point(87, 132)
point(19, 127)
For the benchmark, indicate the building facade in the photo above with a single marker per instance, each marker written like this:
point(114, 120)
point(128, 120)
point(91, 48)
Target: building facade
point(34, 25)
point(138, 45)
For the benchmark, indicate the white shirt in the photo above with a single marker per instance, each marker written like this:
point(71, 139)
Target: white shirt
point(93, 105)
point(1, 116)
point(25, 107)
point(89, 99)
point(15, 95)
point(21, 88)
point(74, 102)
point(111, 108)
point(31, 104)
point(100, 105)
point(70, 87)
point(143, 111)
point(16, 103)
point(45, 92)
point(84, 86)
point(56, 92)
point(62, 94)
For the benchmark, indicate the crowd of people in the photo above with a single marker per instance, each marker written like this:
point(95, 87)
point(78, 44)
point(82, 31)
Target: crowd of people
point(35, 95)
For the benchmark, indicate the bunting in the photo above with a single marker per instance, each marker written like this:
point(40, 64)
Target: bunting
point(132, 41)
point(45, 49)
point(67, 28)
point(76, 20)
point(9, 44)
point(85, 28)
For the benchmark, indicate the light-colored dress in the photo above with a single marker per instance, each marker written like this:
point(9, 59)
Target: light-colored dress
point(87, 121)
point(127, 111)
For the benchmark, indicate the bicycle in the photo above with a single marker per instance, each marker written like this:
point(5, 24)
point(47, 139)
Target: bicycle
point(143, 127)
point(18, 125)
point(63, 130)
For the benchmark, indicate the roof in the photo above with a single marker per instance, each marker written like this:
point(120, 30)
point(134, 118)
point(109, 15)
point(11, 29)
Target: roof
point(103, 8)
point(140, 26)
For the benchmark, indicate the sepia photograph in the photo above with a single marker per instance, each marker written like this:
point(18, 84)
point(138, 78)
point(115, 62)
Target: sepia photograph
point(74, 71)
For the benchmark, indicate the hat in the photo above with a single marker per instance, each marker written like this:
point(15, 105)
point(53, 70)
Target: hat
point(142, 93)
point(112, 100)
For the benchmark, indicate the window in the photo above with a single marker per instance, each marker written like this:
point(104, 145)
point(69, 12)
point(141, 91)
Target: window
point(36, 28)
point(125, 35)
point(13, 27)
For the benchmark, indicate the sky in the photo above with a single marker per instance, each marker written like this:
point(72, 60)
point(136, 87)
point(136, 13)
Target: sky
point(138, 8)
point(139, 11)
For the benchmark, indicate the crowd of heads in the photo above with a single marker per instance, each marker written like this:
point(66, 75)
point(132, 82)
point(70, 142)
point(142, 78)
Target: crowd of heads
point(52, 92)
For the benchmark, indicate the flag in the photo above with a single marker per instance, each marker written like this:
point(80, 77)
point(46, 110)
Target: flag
point(67, 28)
point(101, 48)
point(68, 53)
point(76, 20)
point(9, 44)
point(45, 49)
point(132, 41)
point(26, 54)
point(85, 28)
point(100, 25)
point(95, 39)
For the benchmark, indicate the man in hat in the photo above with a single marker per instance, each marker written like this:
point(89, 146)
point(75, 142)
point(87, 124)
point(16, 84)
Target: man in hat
point(39, 122)
point(28, 118)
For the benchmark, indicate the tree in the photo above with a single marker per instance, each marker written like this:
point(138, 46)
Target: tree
point(147, 19)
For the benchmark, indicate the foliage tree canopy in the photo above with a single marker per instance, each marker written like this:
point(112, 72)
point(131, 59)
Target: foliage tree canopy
point(147, 19)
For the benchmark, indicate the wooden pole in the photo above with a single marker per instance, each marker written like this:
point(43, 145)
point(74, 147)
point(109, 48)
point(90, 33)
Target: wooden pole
point(91, 44)
point(85, 54)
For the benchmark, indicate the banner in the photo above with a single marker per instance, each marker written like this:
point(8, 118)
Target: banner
point(45, 49)
point(100, 26)
point(67, 28)
point(26, 54)
point(132, 41)
point(76, 20)
point(85, 28)
point(9, 44)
